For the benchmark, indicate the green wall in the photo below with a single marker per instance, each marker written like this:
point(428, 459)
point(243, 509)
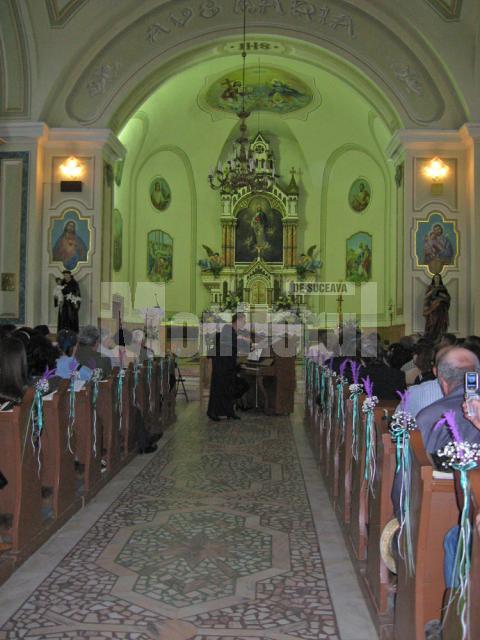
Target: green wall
point(342, 139)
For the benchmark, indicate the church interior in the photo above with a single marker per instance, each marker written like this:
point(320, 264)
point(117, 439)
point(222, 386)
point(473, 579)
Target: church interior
point(239, 334)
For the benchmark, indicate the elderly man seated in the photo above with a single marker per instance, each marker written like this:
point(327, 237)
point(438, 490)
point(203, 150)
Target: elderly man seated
point(87, 351)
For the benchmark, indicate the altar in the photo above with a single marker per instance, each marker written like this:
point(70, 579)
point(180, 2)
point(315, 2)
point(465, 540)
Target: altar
point(258, 261)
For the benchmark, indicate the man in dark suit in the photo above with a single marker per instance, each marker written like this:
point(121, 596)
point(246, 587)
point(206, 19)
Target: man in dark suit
point(87, 352)
point(451, 369)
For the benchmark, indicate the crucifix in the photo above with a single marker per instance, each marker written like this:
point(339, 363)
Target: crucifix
point(340, 311)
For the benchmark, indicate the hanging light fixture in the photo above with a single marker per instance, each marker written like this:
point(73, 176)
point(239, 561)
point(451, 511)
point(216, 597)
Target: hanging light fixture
point(242, 169)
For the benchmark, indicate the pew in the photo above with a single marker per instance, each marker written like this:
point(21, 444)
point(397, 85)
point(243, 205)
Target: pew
point(21, 499)
point(434, 511)
point(380, 512)
point(126, 420)
point(57, 456)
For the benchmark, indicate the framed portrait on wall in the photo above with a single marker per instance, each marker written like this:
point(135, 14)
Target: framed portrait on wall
point(160, 194)
point(117, 239)
point(359, 258)
point(359, 195)
point(70, 240)
point(159, 256)
point(436, 243)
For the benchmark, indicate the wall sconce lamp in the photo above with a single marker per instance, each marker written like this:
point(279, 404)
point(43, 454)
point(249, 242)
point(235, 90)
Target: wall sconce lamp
point(71, 170)
point(436, 170)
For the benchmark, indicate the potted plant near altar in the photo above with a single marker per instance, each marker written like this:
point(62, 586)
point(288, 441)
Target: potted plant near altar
point(230, 302)
point(308, 263)
point(213, 262)
point(283, 303)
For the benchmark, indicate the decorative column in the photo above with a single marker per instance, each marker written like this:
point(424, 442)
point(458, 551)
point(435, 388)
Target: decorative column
point(228, 242)
point(91, 210)
point(289, 243)
point(449, 203)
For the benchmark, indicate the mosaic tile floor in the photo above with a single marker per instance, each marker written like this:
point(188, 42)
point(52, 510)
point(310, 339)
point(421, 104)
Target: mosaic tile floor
point(213, 540)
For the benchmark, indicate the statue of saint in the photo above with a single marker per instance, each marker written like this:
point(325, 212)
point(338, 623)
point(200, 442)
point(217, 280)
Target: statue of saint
point(435, 308)
point(68, 303)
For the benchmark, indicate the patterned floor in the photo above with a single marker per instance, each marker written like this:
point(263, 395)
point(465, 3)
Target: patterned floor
point(214, 540)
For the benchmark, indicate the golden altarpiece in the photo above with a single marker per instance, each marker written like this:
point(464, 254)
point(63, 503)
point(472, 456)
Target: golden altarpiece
point(259, 236)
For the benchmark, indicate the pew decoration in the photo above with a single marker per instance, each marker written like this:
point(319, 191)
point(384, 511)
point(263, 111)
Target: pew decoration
point(97, 375)
point(120, 379)
point(330, 376)
point(136, 373)
point(462, 457)
point(356, 390)
point(149, 382)
point(368, 408)
point(341, 382)
point(74, 376)
point(401, 425)
point(42, 387)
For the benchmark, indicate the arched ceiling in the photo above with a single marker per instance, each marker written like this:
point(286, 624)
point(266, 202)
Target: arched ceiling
point(90, 63)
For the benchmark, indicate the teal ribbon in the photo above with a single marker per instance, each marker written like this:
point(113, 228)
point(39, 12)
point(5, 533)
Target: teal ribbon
point(71, 415)
point(94, 410)
point(461, 573)
point(36, 418)
point(136, 371)
point(355, 397)
point(400, 434)
point(149, 381)
point(322, 389)
point(120, 377)
point(369, 472)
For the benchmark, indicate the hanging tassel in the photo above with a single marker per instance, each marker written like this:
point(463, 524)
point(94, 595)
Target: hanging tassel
point(368, 409)
point(136, 371)
point(356, 390)
point(463, 457)
point(149, 381)
point(96, 377)
point(401, 425)
point(120, 377)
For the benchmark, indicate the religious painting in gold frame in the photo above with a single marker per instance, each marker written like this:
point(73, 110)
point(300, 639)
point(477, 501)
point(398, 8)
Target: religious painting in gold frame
point(436, 240)
point(70, 239)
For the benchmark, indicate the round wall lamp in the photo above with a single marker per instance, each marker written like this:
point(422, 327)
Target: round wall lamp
point(71, 171)
point(437, 171)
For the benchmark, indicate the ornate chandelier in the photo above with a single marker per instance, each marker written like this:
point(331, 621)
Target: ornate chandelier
point(245, 168)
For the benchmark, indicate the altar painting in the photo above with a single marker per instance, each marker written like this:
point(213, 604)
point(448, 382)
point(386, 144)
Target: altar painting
point(159, 256)
point(259, 232)
point(359, 258)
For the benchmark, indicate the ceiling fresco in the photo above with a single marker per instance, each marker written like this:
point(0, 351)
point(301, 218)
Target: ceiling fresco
point(267, 88)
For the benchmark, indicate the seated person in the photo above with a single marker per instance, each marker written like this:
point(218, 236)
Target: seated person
point(386, 380)
point(423, 358)
point(87, 352)
point(67, 362)
point(14, 381)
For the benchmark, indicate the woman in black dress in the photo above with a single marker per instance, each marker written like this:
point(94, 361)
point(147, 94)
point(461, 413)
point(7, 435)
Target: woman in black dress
point(223, 386)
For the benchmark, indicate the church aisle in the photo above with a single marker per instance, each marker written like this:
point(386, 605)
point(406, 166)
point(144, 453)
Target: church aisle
point(215, 538)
